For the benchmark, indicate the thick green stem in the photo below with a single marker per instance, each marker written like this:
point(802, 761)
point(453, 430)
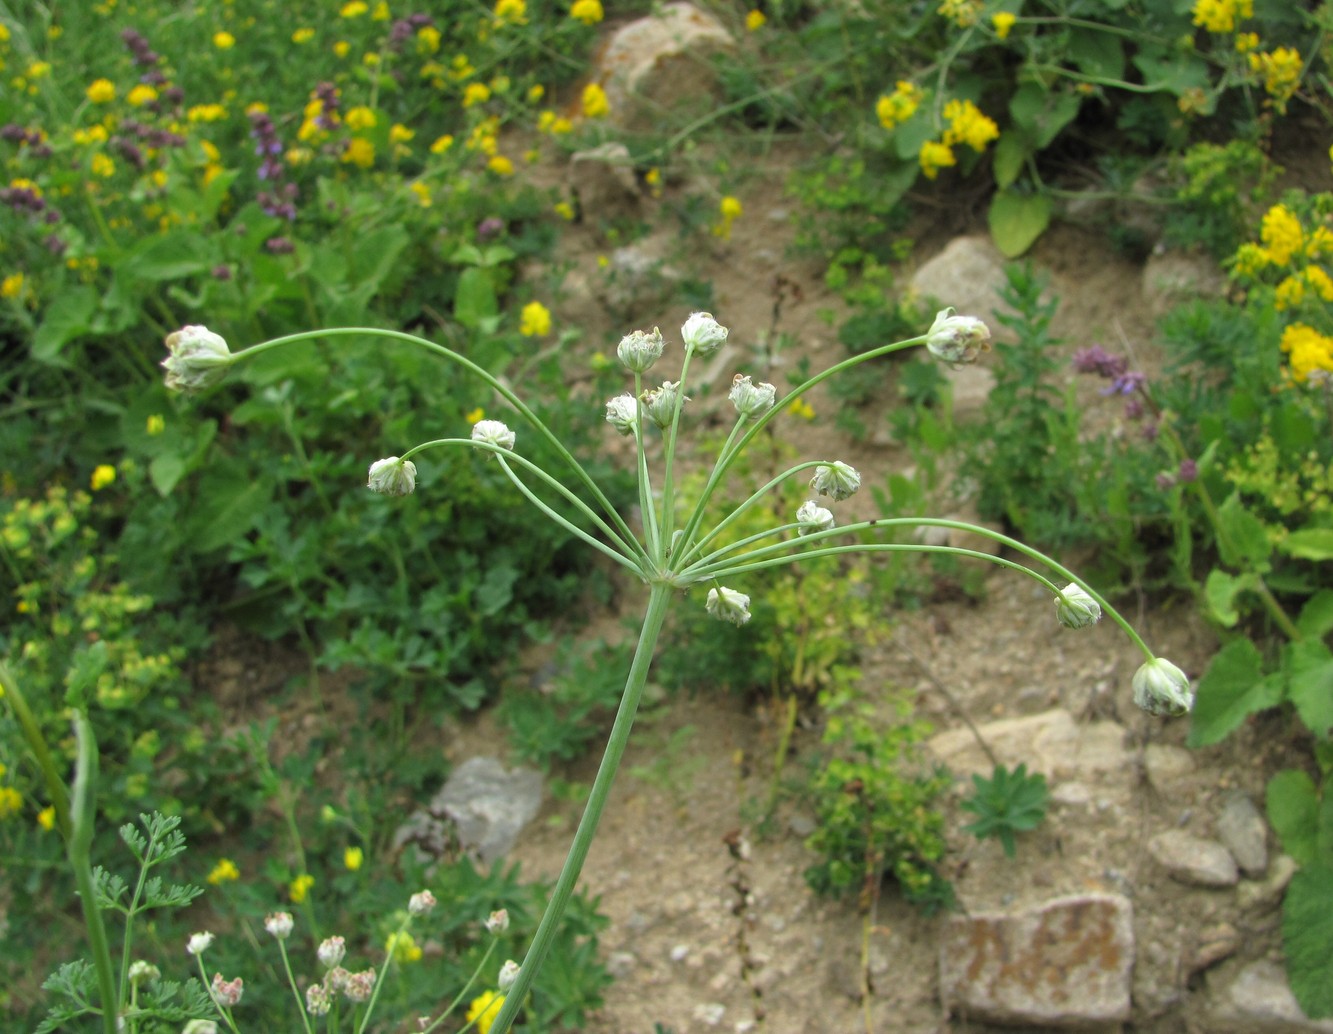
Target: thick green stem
point(83, 809)
point(659, 596)
point(41, 753)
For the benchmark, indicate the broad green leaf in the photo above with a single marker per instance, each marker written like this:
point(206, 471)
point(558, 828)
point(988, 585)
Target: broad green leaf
point(1221, 590)
point(1316, 617)
point(376, 255)
point(1309, 544)
point(474, 298)
point(1307, 939)
point(1097, 53)
point(168, 257)
point(69, 316)
point(1242, 539)
point(1233, 688)
point(908, 137)
point(1310, 684)
point(1042, 113)
point(1011, 153)
point(1017, 220)
point(165, 472)
point(1293, 809)
point(88, 664)
point(229, 503)
point(1171, 69)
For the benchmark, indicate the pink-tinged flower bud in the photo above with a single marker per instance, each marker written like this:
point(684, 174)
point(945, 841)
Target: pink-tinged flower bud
point(702, 334)
point(622, 413)
point(812, 517)
point(421, 902)
point(227, 993)
point(359, 985)
point(837, 481)
point(498, 921)
point(639, 350)
point(957, 339)
point(1075, 608)
point(198, 943)
point(142, 972)
point(198, 359)
point(336, 979)
point(728, 605)
point(751, 399)
point(331, 951)
point(392, 476)
point(318, 1000)
point(508, 974)
point(279, 924)
point(1161, 688)
point(660, 403)
point(493, 432)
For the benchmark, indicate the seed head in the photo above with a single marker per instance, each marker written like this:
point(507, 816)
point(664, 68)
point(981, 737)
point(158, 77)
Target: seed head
point(421, 902)
point(227, 993)
point(198, 943)
point(728, 605)
point(331, 951)
point(279, 924)
point(661, 403)
point(493, 432)
point(393, 476)
point(318, 1000)
point(198, 359)
point(1161, 688)
point(837, 481)
point(508, 974)
point(639, 350)
point(957, 339)
point(812, 517)
point(498, 921)
point(622, 413)
point(702, 334)
point(142, 972)
point(750, 399)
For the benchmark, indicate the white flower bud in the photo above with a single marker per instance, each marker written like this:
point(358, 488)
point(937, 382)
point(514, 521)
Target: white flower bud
point(957, 339)
point(421, 902)
point(498, 921)
point(639, 350)
point(702, 334)
point(1075, 608)
point(141, 972)
point(838, 481)
point(508, 974)
point(200, 1027)
point(227, 993)
point(359, 986)
point(493, 432)
point(622, 413)
point(199, 358)
point(751, 399)
point(317, 1000)
point(331, 951)
point(728, 605)
point(393, 476)
point(661, 403)
point(812, 517)
point(1161, 688)
point(279, 924)
point(198, 943)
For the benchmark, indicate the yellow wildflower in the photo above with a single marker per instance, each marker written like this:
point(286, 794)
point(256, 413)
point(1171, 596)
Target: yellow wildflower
point(1281, 232)
point(11, 803)
point(1291, 291)
point(353, 9)
point(500, 165)
point(11, 286)
point(962, 13)
point(800, 408)
point(359, 152)
point(46, 818)
point(1003, 21)
point(92, 135)
point(589, 12)
point(594, 102)
point(442, 144)
point(484, 1008)
point(360, 117)
point(1249, 259)
point(564, 210)
point(476, 416)
point(754, 20)
point(103, 475)
point(404, 948)
point(224, 40)
point(549, 122)
point(102, 91)
point(1318, 280)
point(1319, 242)
point(303, 35)
point(1246, 41)
point(422, 192)
point(893, 109)
point(341, 48)
point(381, 12)
point(224, 872)
point(400, 134)
point(730, 209)
point(39, 69)
point(155, 425)
point(353, 858)
point(512, 12)
point(101, 165)
point(1308, 351)
point(428, 40)
point(535, 320)
point(934, 157)
point(141, 94)
point(967, 125)
point(1282, 73)
point(300, 887)
point(1221, 15)
point(476, 93)
point(206, 113)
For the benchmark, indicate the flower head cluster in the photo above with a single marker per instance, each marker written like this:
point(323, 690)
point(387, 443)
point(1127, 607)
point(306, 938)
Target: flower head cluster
point(392, 476)
point(1075, 608)
point(728, 605)
point(967, 125)
point(483, 1010)
point(1281, 70)
point(1309, 353)
point(957, 339)
point(198, 359)
point(1221, 15)
point(227, 993)
point(1160, 688)
point(893, 109)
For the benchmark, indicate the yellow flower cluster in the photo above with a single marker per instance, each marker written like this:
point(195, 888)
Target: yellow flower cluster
point(224, 872)
point(963, 13)
point(11, 803)
point(404, 948)
point(1308, 352)
point(1281, 70)
point(729, 209)
point(967, 125)
point(300, 887)
point(557, 125)
point(1003, 21)
point(102, 91)
point(483, 1010)
point(754, 20)
point(535, 320)
point(893, 109)
point(589, 12)
point(1221, 15)
point(11, 286)
point(594, 102)
point(935, 156)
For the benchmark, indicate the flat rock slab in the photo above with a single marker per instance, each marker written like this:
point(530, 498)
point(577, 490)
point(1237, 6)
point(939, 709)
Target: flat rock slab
point(1191, 859)
point(1063, 964)
point(1052, 743)
point(1259, 1001)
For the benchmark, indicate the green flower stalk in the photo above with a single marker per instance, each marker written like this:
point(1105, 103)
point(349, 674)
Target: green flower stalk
point(676, 551)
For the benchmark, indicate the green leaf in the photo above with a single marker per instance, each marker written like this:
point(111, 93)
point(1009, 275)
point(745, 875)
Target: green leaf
point(69, 316)
point(1221, 590)
point(1042, 113)
point(1242, 539)
point(1309, 544)
point(1233, 688)
point(88, 664)
point(474, 298)
point(1173, 70)
point(1097, 53)
point(1307, 939)
point(1293, 810)
point(1017, 220)
point(1316, 617)
point(1310, 684)
point(167, 257)
point(229, 503)
point(1011, 154)
point(165, 472)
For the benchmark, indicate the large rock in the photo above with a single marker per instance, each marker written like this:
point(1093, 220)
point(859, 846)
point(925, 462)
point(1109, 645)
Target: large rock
point(660, 64)
point(1259, 1001)
point(1066, 963)
point(482, 807)
point(603, 180)
point(1051, 743)
point(1243, 831)
point(1191, 859)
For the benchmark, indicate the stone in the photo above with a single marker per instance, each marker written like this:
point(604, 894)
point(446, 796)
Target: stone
point(602, 178)
point(1171, 277)
point(660, 64)
point(1167, 766)
point(1254, 894)
point(636, 281)
point(1193, 860)
point(1243, 831)
point(482, 804)
point(1212, 946)
point(1065, 963)
point(1050, 742)
point(1259, 1001)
